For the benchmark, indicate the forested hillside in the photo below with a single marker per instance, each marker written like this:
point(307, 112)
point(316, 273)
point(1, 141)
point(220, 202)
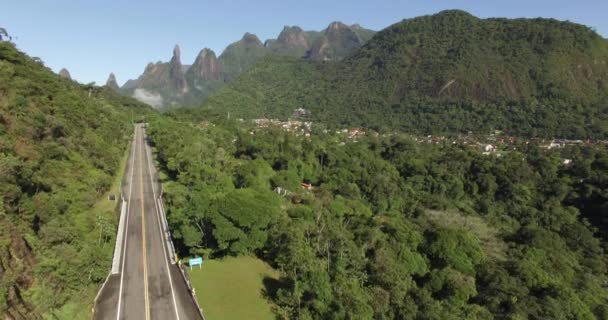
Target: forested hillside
point(446, 73)
point(60, 146)
point(392, 228)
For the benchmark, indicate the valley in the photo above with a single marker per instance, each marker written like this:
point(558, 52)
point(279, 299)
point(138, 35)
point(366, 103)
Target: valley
point(449, 165)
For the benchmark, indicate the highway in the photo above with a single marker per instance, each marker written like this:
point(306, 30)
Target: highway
point(144, 283)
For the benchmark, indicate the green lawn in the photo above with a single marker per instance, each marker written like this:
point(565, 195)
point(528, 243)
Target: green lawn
point(232, 288)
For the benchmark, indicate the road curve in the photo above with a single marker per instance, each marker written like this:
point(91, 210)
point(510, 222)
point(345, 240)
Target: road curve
point(147, 285)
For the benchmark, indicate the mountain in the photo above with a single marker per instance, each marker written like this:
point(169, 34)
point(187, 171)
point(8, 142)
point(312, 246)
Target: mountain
point(204, 76)
point(162, 83)
point(111, 82)
point(206, 66)
point(446, 73)
point(334, 43)
point(292, 41)
point(241, 55)
point(64, 73)
point(337, 41)
point(61, 143)
point(167, 84)
point(362, 33)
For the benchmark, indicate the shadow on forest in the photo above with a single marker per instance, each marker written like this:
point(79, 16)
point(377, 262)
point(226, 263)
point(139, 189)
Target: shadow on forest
point(271, 289)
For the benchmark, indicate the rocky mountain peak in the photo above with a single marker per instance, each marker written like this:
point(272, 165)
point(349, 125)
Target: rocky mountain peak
point(111, 82)
point(206, 66)
point(177, 82)
point(206, 52)
point(338, 40)
point(64, 73)
point(293, 37)
point(176, 55)
point(176, 74)
point(250, 38)
point(336, 26)
point(290, 30)
point(152, 67)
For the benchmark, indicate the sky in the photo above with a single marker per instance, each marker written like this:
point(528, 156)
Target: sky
point(92, 38)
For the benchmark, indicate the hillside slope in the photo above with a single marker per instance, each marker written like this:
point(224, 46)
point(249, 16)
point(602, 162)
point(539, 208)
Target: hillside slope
point(449, 72)
point(60, 145)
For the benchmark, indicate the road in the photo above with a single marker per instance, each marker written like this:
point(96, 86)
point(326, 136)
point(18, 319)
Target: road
point(146, 285)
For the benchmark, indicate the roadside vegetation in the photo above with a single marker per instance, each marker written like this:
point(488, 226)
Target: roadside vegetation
point(61, 145)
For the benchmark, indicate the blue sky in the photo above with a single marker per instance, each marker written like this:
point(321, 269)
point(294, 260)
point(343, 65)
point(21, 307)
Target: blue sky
point(92, 38)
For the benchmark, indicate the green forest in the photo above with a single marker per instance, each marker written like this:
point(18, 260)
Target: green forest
point(446, 73)
point(60, 146)
point(381, 226)
point(392, 228)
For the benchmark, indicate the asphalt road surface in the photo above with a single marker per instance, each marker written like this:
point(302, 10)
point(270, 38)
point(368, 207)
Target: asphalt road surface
point(148, 285)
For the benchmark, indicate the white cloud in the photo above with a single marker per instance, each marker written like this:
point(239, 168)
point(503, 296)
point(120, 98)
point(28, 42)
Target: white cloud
point(150, 97)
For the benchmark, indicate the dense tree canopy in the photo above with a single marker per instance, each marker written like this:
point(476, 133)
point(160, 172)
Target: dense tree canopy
point(394, 228)
point(446, 73)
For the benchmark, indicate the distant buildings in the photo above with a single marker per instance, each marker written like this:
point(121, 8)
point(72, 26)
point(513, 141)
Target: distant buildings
point(492, 144)
point(560, 143)
point(291, 126)
point(488, 149)
point(300, 113)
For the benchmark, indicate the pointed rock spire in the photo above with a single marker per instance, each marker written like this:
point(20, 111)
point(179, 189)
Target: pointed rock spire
point(206, 66)
point(111, 83)
point(176, 54)
point(176, 73)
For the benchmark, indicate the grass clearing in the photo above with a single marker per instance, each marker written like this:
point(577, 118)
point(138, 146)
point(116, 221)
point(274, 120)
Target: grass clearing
point(232, 288)
point(105, 205)
point(488, 236)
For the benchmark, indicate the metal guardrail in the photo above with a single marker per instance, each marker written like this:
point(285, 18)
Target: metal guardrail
point(119, 235)
point(117, 248)
point(166, 232)
point(169, 241)
point(171, 248)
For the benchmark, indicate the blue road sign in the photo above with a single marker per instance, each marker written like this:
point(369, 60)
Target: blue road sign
point(195, 261)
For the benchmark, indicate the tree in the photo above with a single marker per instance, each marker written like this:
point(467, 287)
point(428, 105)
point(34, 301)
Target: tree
point(242, 218)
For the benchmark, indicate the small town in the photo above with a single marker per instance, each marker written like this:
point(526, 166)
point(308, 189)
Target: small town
point(491, 144)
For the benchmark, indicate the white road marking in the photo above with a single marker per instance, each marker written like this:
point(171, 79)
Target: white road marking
point(143, 232)
point(122, 272)
point(160, 230)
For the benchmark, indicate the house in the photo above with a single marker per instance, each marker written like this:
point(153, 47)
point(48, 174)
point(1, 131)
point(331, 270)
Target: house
point(299, 113)
point(306, 186)
point(488, 148)
point(355, 133)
